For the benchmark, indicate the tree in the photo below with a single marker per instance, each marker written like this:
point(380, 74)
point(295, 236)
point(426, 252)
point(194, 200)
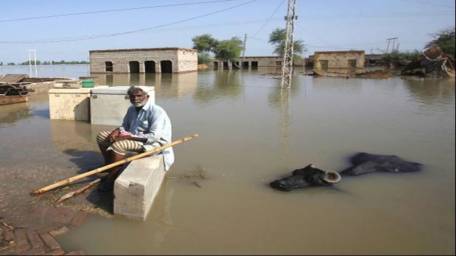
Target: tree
point(229, 49)
point(396, 58)
point(204, 43)
point(224, 50)
point(445, 40)
point(204, 58)
point(277, 38)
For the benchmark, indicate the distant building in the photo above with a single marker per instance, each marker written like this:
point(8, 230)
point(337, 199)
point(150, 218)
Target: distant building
point(374, 60)
point(252, 62)
point(143, 60)
point(343, 63)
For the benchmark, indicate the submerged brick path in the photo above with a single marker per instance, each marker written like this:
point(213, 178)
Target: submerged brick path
point(41, 241)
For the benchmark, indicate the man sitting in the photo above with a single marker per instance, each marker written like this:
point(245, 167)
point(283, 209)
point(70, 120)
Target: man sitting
point(144, 127)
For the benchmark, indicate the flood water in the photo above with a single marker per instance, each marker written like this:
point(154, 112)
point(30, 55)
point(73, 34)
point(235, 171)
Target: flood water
point(216, 197)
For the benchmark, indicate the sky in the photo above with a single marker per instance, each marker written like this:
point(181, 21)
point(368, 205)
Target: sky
point(69, 29)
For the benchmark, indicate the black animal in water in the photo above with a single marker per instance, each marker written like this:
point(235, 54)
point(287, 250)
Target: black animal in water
point(306, 177)
point(363, 163)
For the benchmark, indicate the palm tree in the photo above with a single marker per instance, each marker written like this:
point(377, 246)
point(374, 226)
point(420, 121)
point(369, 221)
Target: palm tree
point(277, 38)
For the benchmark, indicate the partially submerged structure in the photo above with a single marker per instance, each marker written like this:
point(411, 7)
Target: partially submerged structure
point(252, 62)
point(338, 63)
point(433, 63)
point(143, 60)
point(11, 93)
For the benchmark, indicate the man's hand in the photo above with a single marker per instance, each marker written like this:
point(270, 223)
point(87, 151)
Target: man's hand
point(124, 137)
point(115, 134)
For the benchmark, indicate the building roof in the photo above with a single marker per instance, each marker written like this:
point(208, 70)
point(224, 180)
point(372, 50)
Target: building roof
point(337, 52)
point(143, 49)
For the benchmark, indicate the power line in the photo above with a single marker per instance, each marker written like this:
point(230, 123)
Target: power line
point(430, 3)
point(113, 10)
point(270, 17)
point(130, 31)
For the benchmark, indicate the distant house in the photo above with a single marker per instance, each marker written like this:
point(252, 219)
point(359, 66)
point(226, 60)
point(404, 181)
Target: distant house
point(253, 62)
point(338, 63)
point(143, 60)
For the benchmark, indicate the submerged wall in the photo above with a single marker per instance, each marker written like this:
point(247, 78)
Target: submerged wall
point(148, 60)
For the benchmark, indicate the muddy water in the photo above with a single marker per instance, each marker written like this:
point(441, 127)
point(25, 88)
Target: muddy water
point(215, 199)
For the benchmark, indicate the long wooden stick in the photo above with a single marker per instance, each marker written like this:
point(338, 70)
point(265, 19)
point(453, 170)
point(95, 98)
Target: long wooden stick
point(77, 191)
point(109, 166)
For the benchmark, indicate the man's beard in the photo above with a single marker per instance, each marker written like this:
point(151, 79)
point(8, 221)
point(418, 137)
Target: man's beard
point(139, 104)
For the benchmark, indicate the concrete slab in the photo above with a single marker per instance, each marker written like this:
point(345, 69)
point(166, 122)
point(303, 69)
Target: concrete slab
point(109, 104)
point(138, 185)
point(69, 104)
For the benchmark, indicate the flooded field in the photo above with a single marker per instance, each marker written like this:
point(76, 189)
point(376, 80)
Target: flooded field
point(216, 197)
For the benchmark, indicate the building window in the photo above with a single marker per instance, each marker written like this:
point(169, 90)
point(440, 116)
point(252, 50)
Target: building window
point(108, 66)
point(134, 66)
point(166, 66)
point(324, 65)
point(149, 66)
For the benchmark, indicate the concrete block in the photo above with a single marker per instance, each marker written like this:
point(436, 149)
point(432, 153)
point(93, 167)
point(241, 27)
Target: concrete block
point(69, 104)
point(136, 188)
point(108, 105)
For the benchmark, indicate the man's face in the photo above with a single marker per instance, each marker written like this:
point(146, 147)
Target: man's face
point(138, 98)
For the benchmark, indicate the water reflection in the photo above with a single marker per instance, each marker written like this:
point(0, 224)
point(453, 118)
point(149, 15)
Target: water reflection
point(76, 139)
point(431, 91)
point(284, 122)
point(176, 85)
point(9, 114)
point(276, 96)
point(226, 84)
point(162, 213)
point(166, 85)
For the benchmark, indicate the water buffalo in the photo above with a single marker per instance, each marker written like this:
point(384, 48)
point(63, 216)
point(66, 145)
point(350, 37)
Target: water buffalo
point(305, 177)
point(363, 163)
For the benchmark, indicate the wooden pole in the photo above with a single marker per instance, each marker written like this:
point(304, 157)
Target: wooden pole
point(77, 191)
point(109, 166)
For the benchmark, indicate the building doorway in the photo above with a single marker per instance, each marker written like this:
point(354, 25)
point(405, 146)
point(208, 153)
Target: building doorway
point(324, 64)
point(108, 66)
point(134, 66)
point(352, 64)
point(166, 66)
point(149, 66)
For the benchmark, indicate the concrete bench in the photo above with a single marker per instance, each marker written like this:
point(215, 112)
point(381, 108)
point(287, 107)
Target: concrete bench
point(137, 186)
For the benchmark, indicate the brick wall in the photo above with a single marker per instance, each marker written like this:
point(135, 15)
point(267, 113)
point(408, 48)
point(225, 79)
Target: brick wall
point(182, 59)
point(339, 62)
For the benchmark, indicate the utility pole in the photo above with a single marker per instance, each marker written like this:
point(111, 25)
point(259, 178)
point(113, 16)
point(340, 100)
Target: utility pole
point(32, 55)
point(393, 41)
point(243, 47)
point(287, 63)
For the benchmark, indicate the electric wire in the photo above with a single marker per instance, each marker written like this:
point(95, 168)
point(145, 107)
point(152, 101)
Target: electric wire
point(113, 10)
point(270, 17)
point(130, 31)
